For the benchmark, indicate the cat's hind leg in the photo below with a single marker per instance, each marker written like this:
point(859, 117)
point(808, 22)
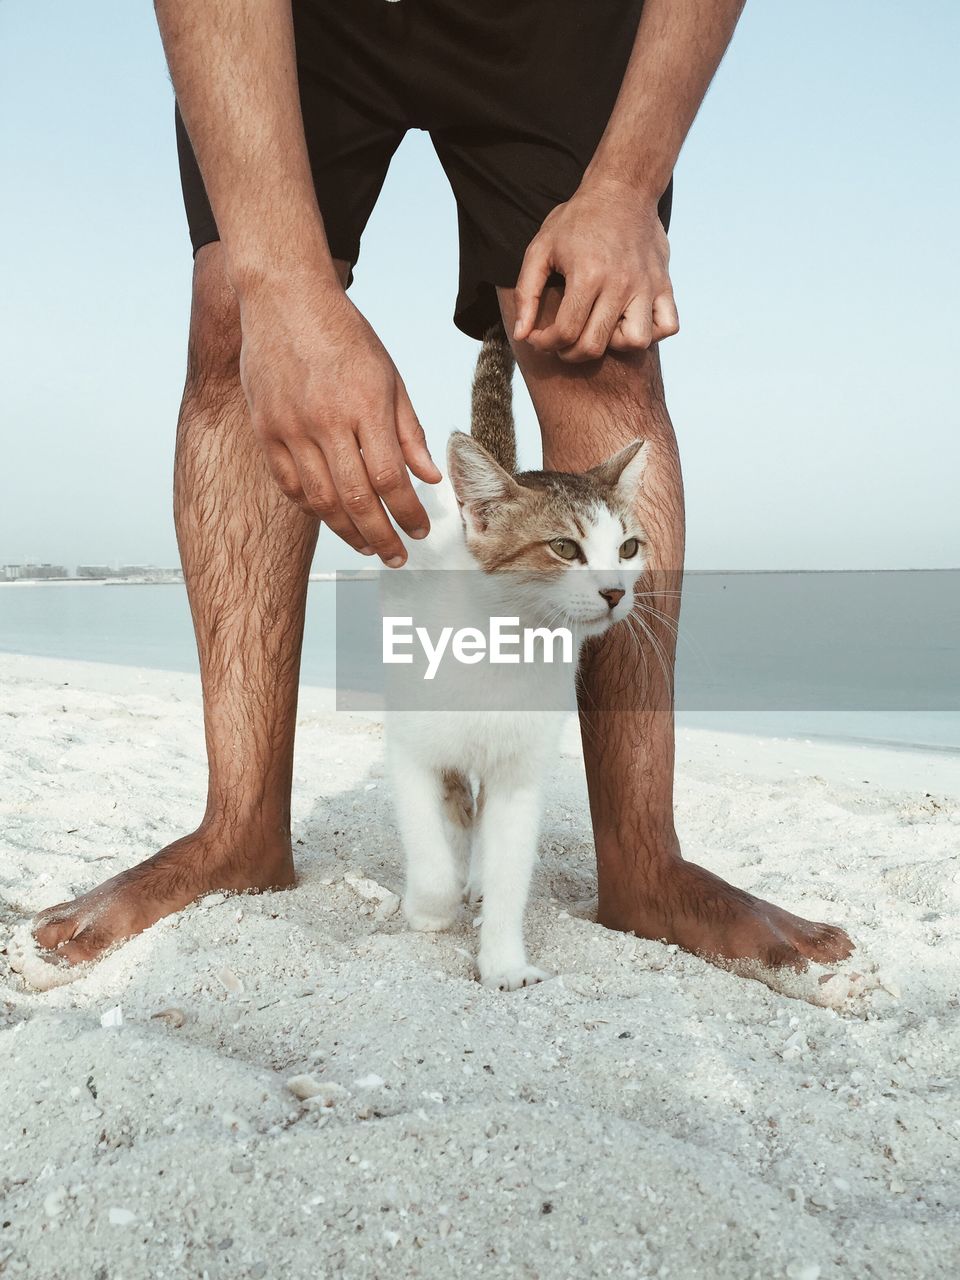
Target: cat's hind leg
point(469, 848)
point(508, 829)
point(432, 895)
point(460, 811)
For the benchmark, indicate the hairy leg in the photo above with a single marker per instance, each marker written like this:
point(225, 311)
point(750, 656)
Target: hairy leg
point(586, 413)
point(246, 553)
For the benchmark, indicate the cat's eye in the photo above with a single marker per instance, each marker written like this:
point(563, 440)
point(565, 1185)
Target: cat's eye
point(565, 548)
point(629, 548)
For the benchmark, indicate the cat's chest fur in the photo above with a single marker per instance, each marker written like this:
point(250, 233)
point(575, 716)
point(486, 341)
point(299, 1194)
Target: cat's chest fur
point(533, 696)
point(478, 743)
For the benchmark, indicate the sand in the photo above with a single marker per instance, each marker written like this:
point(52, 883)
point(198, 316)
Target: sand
point(644, 1114)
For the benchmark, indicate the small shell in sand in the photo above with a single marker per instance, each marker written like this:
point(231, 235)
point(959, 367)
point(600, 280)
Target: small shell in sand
point(304, 1087)
point(371, 1081)
point(173, 1017)
point(55, 1202)
point(386, 902)
point(308, 1089)
point(229, 981)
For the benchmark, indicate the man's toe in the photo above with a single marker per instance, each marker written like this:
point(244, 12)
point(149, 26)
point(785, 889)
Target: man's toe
point(51, 929)
point(784, 955)
point(824, 943)
point(832, 943)
point(88, 945)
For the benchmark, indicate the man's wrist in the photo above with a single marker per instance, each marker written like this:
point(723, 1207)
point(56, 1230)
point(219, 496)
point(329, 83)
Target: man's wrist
point(267, 268)
point(253, 280)
point(637, 183)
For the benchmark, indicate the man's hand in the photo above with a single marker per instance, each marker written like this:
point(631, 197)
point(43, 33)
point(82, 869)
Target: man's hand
point(610, 246)
point(332, 413)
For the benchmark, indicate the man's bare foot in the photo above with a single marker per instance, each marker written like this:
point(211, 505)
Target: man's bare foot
point(700, 912)
point(81, 930)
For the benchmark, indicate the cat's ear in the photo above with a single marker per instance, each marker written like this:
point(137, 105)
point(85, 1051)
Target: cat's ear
point(624, 471)
point(478, 480)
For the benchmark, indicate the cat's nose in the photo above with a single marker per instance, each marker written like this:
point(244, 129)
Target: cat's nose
point(613, 595)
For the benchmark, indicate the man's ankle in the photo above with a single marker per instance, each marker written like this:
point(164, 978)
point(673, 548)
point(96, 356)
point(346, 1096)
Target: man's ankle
point(633, 878)
point(637, 857)
point(255, 825)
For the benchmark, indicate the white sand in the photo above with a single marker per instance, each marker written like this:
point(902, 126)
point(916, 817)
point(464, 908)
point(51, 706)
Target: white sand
point(643, 1115)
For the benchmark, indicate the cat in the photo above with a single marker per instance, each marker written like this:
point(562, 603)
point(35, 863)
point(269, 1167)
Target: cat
point(539, 546)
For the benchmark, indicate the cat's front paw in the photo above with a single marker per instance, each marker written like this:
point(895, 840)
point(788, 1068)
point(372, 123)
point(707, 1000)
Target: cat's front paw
point(429, 916)
point(513, 977)
point(472, 893)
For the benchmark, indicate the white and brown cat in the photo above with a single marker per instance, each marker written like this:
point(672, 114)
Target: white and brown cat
point(544, 547)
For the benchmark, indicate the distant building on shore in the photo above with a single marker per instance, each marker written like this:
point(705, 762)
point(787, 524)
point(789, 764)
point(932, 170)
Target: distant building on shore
point(16, 572)
point(128, 573)
point(31, 572)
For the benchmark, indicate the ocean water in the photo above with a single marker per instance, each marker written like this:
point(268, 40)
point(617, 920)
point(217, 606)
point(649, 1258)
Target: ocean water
point(855, 656)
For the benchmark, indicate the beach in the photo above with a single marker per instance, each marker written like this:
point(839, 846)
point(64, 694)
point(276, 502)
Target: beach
point(642, 1114)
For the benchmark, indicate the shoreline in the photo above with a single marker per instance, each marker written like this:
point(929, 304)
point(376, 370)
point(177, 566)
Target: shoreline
point(939, 757)
point(332, 575)
point(899, 767)
point(342, 576)
point(93, 582)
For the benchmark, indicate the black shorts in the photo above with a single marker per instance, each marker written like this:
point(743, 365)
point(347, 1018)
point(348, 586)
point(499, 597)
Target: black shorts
point(514, 94)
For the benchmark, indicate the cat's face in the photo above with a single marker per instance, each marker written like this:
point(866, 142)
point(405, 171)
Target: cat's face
point(570, 547)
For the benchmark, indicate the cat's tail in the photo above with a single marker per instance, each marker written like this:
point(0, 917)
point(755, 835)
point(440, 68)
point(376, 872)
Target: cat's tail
point(491, 405)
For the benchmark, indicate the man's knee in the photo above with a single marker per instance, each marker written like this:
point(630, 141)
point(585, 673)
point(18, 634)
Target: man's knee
point(213, 359)
point(622, 381)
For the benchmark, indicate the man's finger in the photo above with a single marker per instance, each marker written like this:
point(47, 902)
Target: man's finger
point(599, 328)
point(579, 295)
point(318, 496)
point(284, 471)
point(413, 441)
point(361, 504)
point(666, 322)
point(533, 277)
point(635, 330)
point(390, 478)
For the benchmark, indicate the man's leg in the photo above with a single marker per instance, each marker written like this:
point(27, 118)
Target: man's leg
point(246, 553)
point(586, 413)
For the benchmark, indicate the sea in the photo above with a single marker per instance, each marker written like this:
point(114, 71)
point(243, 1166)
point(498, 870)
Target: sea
point(848, 656)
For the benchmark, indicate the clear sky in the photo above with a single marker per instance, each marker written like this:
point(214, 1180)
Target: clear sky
point(815, 236)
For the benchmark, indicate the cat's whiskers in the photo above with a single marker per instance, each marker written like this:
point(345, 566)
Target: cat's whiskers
point(639, 647)
point(553, 614)
point(653, 595)
point(584, 694)
point(672, 624)
point(665, 619)
point(635, 619)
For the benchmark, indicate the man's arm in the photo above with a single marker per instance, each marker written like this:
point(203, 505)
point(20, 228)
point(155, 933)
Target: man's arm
point(326, 401)
point(607, 240)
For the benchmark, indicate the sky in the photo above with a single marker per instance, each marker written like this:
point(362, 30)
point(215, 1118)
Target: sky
point(815, 261)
